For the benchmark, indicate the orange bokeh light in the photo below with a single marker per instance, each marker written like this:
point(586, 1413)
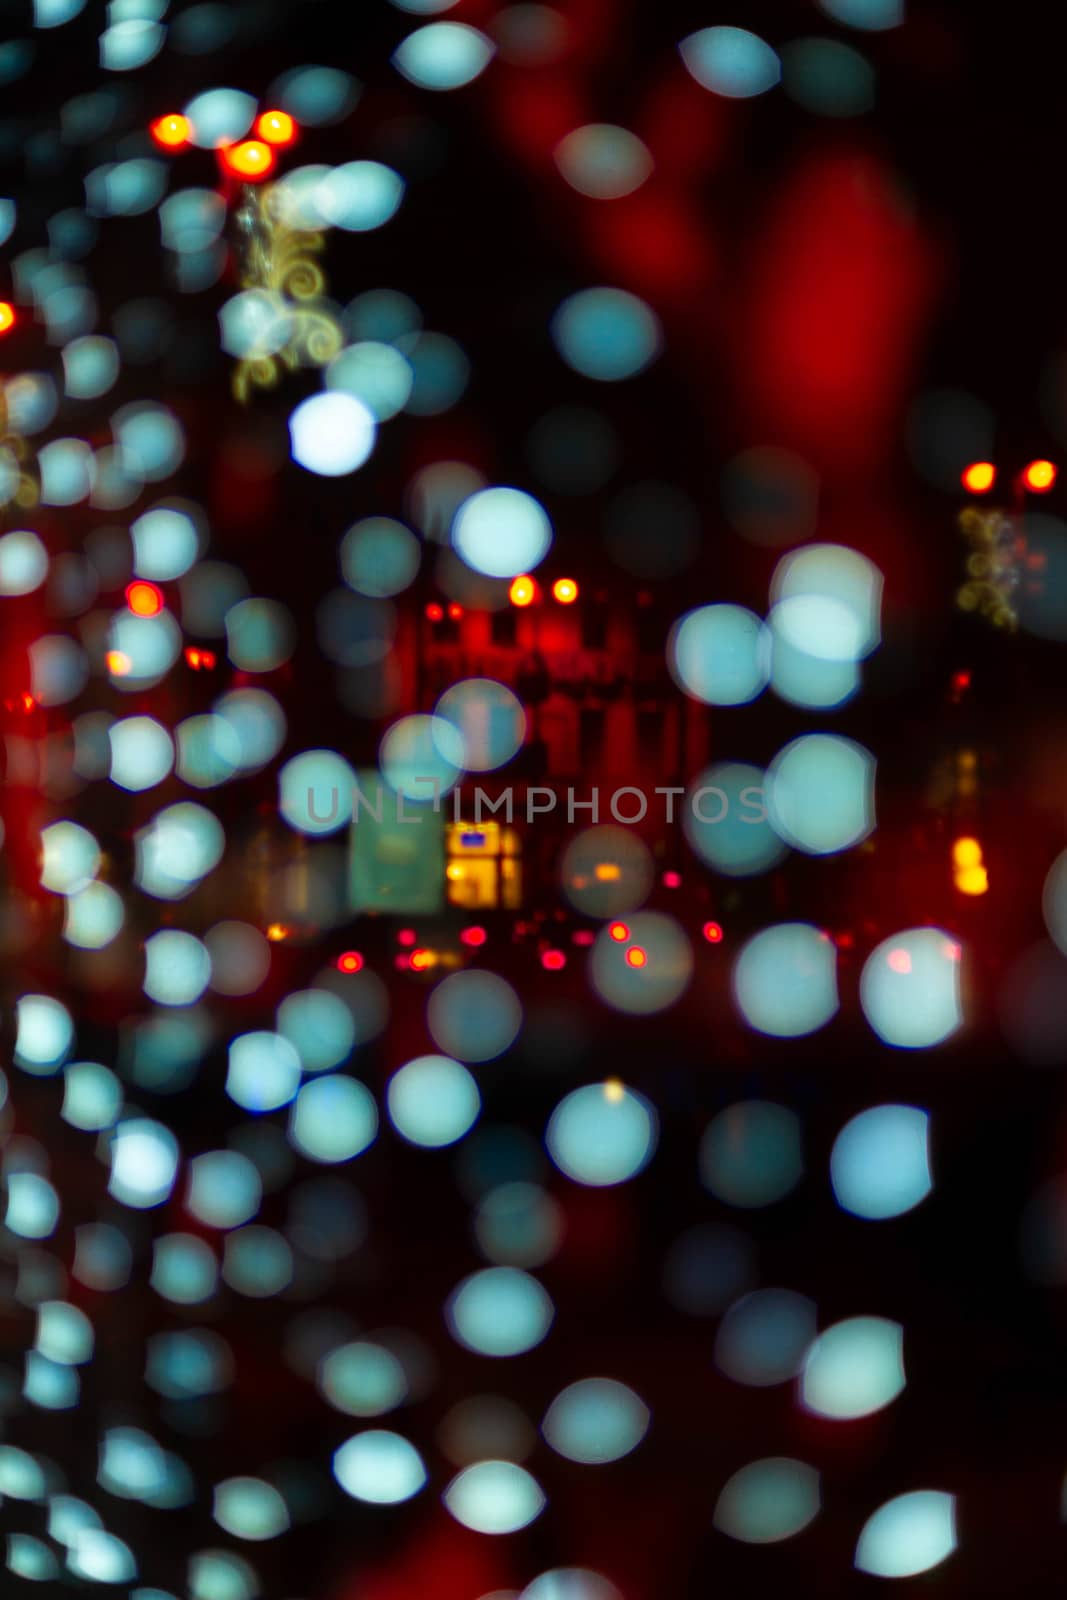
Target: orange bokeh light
point(171, 131)
point(713, 932)
point(619, 932)
point(144, 599)
point(350, 961)
point(7, 316)
point(565, 591)
point(276, 127)
point(1040, 476)
point(636, 957)
point(118, 663)
point(979, 477)
point(523, 591)
point(251, 159)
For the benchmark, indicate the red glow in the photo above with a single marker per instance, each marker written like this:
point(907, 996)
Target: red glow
point(619, 932)
point(455, 611)
point(979, 477)
point(171, 131)
point(553, 960)
point(582, 936)
point(419, 960)
point(251, 159)
point(899, 961)
point(1039, 477)
point(7, 316)
point(826, 350)
point(200, 660)
point(713, 932)
point(475, 937)
point(636, 957)
point(350, 961)
point(406, 937)
point(434, 612)
point(276, 127)
point(144, 599)
point(672, 880)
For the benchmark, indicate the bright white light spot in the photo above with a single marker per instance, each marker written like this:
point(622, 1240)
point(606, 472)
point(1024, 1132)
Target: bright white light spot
point(23, 563)
point(598, 1138)
point(909, 1534)
point(910, 988)
point(443, 55)
point(819, 793)
point(720, 654)
point(144, 1163)
point(854, 1368)
point(380, 1467)
point(494, 1497)
point(332, 434)
point(880, 1162)
point(785, 980)
point(502, 532)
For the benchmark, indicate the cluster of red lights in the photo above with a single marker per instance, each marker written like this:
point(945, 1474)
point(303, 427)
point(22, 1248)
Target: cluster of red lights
point(524, 591)
point(250, 159)
point(981, 476)
point(436, 612)
point(635, 956)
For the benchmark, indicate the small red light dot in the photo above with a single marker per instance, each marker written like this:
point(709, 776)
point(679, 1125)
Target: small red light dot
point(713, 932)
point(619, 932)
point(475, 937)
point(672, 880)
point(455, 611)
point(553, 960)
point(406, 937)
point(434, 612)
point(350, 961)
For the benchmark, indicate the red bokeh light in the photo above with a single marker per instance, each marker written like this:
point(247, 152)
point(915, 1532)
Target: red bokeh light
point(713, 932)
point(172, 131)
point(475, 937)
point(350, 961)
point(553, 960)
point(144, 599)
point(250, 160)
point(276, 127)
point(979, 477)
point(1039, 477)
